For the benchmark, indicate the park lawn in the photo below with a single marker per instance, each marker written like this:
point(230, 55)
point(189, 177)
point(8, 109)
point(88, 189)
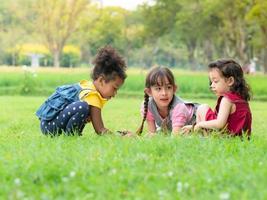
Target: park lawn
point(33, 166)
point(43, 81)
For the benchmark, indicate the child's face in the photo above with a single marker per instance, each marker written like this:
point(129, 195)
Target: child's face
point(219, 84)
point(109, 89)
point(162, 94)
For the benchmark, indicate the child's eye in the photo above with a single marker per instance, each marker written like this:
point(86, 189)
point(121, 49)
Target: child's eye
point(213, 81)
point(169, 87)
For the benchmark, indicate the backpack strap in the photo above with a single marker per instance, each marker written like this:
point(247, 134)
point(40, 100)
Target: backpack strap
point(88, 90)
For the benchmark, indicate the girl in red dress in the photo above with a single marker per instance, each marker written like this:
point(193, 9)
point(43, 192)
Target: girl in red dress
point(232, 112)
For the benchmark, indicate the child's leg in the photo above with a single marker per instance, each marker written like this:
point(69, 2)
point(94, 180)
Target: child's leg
point(50, 128)
point(201, 112)
point(71, 120)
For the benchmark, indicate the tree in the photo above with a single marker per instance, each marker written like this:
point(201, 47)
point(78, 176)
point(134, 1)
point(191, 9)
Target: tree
point(56, 21)
point(234, 29)
point(258, 14)
point(189, 24)
point(186, 22)
point(161, 40)
point(12, 32)
point(104, 26)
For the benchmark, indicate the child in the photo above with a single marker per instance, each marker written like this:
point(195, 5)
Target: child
point(162, 109)
point(72, 106)
point(232, 111)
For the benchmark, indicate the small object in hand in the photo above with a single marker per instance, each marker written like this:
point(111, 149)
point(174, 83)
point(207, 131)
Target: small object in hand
point(123, 132)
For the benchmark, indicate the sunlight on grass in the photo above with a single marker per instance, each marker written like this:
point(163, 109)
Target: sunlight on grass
point(34, 166)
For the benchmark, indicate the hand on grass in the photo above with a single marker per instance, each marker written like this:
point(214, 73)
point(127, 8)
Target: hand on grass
point(197, 127)
point(88, 120)
point(187, 129)
point(126, 133)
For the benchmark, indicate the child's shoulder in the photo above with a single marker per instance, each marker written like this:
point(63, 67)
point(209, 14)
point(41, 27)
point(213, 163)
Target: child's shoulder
point(85, 83)
point(233, 97)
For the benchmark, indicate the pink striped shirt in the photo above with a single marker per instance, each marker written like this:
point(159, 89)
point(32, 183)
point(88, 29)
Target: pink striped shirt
point(181, 114)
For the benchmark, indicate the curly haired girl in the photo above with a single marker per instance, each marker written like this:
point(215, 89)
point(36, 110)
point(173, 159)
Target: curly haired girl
point(72, 106)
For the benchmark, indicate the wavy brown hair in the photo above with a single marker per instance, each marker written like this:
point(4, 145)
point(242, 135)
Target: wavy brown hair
point(156, 76)
point(228, 68)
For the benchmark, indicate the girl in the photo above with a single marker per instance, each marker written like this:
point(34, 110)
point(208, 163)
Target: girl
point(232, 111)
point(162, 109)
point(72, 106)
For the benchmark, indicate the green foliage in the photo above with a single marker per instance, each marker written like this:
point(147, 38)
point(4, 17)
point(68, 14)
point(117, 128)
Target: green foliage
point(71, 56)
point(106, 26)
point(191, 33)
point(28, 84)
point(160, 19)
point(44, 82)
point(34, 166)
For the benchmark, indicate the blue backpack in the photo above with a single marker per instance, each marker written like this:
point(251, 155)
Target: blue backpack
point(63, 96)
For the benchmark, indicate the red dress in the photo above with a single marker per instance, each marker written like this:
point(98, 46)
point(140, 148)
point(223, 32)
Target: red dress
point(238, 122)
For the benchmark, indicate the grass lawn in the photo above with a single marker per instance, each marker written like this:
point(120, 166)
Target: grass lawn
point(33, 166)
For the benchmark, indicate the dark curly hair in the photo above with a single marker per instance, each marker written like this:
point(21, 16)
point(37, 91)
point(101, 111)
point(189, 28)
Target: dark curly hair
point(108, 63)
point(228, 68)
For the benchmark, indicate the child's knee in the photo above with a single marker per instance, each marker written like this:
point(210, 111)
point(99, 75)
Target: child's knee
point(201, 112)
point(202, 108)
point(83, 108)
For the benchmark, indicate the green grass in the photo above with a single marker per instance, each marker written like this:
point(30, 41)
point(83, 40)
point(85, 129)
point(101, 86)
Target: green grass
point(14, 81)
point(33, 166)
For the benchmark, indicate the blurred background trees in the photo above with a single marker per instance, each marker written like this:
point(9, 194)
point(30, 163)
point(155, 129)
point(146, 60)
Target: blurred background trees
point(175, 33)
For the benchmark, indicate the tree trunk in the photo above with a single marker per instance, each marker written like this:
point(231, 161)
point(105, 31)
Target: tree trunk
point(241, 46)
point(13, 59)
point(56, 58)
point(191, 57)
point(208, 50)
point(265, 60)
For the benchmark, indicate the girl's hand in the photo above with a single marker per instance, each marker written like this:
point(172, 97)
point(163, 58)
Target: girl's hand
point(129, 134)
point(88, 120)
point(126, 133)
point(186, 129)
point(197, 127)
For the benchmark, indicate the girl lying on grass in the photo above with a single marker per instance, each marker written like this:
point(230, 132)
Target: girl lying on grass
point(162, 109)
point(232, 112)
point(72, 106)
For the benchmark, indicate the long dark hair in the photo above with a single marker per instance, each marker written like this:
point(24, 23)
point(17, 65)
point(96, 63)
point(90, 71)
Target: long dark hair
point(228, 68)
point(156, 76)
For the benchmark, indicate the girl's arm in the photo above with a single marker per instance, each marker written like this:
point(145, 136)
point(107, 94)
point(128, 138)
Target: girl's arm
point(223, 114)
point(179, 118)
point(176, 130)
point(151, 127)
point(97, 120)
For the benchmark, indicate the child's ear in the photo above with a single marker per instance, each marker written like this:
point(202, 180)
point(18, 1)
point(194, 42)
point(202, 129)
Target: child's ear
point(101, 79)
point(147, 91)
point(231, 81)
point(175, 88)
